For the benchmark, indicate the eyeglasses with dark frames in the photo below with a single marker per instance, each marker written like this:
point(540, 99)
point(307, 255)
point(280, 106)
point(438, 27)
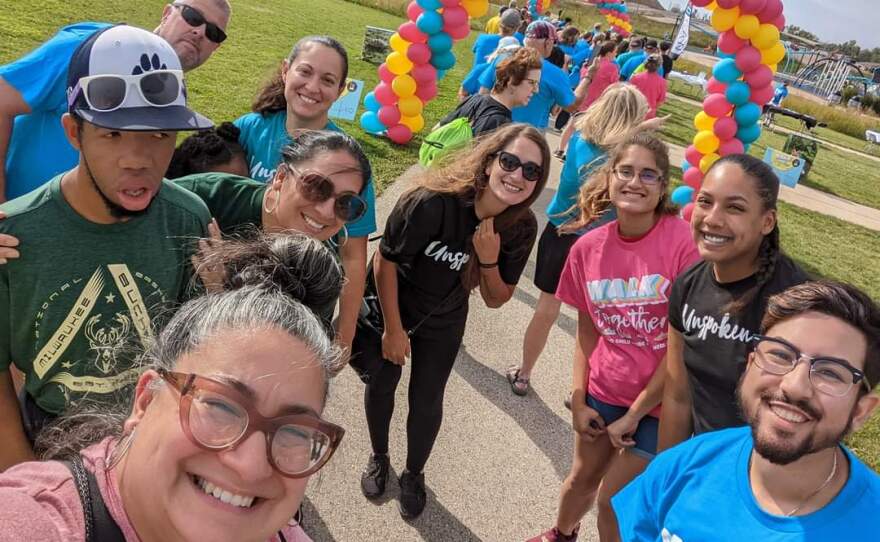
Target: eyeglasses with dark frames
point(215, 417)
point(647, 176)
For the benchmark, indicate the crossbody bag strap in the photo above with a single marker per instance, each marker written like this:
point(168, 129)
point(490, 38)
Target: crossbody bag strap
point(100, 526)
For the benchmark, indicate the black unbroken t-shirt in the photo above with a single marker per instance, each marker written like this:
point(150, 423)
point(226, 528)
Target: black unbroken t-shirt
point(429, 238)
point(715, 341)
point(484, 113)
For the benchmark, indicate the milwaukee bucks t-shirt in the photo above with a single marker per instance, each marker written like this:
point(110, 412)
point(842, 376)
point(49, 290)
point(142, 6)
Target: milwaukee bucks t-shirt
point(716, 340)
point(83, 298)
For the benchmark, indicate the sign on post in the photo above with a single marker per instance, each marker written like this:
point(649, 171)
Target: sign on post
point(345, 107)
point(786, 166)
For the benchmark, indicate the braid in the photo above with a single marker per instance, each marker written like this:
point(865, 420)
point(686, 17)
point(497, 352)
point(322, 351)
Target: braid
point(768, 255)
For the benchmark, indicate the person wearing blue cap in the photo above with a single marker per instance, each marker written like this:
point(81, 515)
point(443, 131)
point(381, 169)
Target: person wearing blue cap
point(108, 242)
point(32, 90)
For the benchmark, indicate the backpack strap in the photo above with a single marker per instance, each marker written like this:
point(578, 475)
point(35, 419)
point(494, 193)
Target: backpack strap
point(100, 526)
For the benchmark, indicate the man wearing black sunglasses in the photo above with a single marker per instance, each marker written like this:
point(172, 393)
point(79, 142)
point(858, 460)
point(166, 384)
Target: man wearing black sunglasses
point(32, 90)
point(808, 384)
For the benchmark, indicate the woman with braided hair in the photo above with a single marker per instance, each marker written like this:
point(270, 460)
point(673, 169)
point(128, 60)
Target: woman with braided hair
point(715, 307)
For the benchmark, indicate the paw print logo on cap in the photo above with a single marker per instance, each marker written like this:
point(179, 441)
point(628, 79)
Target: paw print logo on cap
point(148, 64)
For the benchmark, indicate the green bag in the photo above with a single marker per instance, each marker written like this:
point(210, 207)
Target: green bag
point(445, 139)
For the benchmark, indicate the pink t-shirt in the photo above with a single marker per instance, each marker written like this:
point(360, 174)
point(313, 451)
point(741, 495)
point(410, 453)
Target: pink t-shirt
point(607, 74)
point(624, 285)
point(653, 86)
point(39, 501)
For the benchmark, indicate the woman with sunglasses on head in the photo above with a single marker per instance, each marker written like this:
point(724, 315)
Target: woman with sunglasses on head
point(298, 98)
point(715, 308)
point(208, 447)
point(618, 277)
point(467, 224)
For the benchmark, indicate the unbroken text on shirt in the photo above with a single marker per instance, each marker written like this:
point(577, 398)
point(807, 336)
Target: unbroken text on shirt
point(708, 324)
point(441, 253)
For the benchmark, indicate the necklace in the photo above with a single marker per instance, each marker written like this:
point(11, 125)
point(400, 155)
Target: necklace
point(818, 489)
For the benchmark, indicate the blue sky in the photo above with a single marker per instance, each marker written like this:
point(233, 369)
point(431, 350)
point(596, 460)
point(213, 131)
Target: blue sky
point(832, 20)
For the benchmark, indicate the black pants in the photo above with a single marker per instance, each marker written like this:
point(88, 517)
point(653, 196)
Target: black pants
point(430, 366)
point(33, 418)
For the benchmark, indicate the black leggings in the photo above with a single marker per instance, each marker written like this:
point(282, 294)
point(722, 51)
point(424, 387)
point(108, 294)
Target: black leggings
point(430, 366)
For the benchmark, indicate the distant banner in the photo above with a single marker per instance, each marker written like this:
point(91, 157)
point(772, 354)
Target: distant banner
point(787, 167)
point(345, 107)
point(684, 32)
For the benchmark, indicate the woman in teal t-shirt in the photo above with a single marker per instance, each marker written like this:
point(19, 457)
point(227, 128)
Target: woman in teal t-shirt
point(298, 98)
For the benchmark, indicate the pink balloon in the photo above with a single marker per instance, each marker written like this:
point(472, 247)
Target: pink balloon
point(693, 156)
point(762, 95)
point(458, 32)
point(450, 3)
point(759, 77)
point(779, 22)
point(748, 58)
point(455, 16)
point(751, 7)
point(411, 33)
point(728, 4)
point(772, 9)
point(426, 92)
point(424, 73)
point(730, 43)
point(385, 74)
point(399, 134)
point(716, 105)
point(725, 128)
point(420, 53)
point(384, 95)
point(693, 177)
point(731, 146)
point(389, 115)
point(714, 86)
point(688, 212)
point(701, 3)
point(413, 10)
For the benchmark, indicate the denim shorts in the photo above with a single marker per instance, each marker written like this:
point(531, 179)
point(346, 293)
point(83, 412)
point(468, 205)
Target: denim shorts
point(646, 432)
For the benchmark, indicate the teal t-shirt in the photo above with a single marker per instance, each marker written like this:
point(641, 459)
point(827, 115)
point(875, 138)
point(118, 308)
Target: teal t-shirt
point(82, 300)
point(262, 137)
point(582, 159)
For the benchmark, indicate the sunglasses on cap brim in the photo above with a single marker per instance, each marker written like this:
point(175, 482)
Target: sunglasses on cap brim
point(108, 92)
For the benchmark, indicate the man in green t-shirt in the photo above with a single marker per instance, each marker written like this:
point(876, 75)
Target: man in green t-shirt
point(106, 245)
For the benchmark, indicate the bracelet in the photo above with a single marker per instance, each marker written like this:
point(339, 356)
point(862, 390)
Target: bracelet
point(487, 265)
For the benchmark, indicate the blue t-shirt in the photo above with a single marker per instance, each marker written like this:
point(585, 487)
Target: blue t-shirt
point(262, 137)
point(484, 45)
point(779, 95)
point(38, 150)
point(582, 159)
point(700, 490)
point(621, 59)
point(554, 90)
point(627, 68)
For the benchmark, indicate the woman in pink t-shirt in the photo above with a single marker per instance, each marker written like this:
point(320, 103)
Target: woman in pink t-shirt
point(601, 74)
point(225, 427)
point(618, 277)
point(651, 84)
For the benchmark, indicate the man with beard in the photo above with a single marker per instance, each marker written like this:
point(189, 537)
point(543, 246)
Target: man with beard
point(106, 244)
point(32, 90)
point(786, 476)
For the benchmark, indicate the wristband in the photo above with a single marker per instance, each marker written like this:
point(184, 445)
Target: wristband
point(487, 265)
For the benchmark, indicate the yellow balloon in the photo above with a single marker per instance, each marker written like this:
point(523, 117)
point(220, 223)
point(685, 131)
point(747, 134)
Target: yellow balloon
point(704, 121)
point(414, 123)
point(724, 19)
point(398, 64)
point(475, 8)
point(404, 86)
point(774, 67)
point(766, 36)
point(410, 106)
point(707, 161)
point(712, 6)
point(746, 26)
point(397, 43)
point(706, 142)
point(774, 54)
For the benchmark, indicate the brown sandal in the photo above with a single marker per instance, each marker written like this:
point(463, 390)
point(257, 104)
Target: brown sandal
point(518, 385)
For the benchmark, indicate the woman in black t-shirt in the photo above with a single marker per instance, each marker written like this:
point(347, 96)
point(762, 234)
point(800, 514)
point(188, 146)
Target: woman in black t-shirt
point(715, 307)
point(466, 225)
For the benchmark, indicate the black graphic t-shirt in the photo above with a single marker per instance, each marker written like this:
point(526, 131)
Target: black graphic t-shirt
point(715, 341)
point(430, 242)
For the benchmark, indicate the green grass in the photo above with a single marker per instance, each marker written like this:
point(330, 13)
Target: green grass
point(225, 86)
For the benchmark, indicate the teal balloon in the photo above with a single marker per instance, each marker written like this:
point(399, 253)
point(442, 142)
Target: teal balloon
point(747, 114)
point(682, 195)
point(441, 74)
point(685, 166)
point(443, 61)
point(738, 93)
point(721, 54)
point(749, 134)
point(371, 103)
point(430, 22)
point(440, 43)
point(429, 5)
point(726, 71)
point(370, 123)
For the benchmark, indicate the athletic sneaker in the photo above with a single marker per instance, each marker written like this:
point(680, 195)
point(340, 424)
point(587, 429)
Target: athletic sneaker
point(375, 475)
point(553, 535)
point(412, 494)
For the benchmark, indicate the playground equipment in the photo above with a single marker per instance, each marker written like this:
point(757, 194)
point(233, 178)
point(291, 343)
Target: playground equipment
point(826, 76)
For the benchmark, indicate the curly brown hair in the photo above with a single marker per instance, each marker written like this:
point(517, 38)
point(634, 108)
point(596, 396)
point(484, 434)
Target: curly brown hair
point(514, 69)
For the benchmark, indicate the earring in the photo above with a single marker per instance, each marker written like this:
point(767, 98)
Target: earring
point(335, 241)
point(274, 207)
point(121, 449)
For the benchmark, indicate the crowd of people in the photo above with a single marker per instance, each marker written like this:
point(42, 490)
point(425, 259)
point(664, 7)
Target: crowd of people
point(171, 317)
